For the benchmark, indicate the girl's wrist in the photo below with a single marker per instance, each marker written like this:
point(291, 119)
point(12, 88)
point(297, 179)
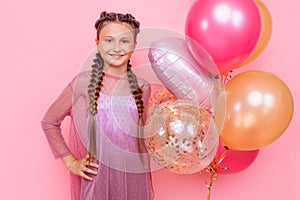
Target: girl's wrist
point(68, 160)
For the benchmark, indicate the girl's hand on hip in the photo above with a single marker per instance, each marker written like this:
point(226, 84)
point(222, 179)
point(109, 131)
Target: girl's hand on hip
point(80, 167)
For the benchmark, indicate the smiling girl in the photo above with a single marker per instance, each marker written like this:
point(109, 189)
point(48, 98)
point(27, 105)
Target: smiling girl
point(106, 153)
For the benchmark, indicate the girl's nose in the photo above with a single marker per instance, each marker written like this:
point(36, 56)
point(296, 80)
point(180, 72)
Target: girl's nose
point(117, 47)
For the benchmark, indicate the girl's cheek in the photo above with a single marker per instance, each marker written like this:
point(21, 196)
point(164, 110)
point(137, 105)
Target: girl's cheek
point(105, 47)
point(127, 48)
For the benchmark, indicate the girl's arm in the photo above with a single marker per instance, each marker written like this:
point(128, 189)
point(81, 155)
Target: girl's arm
point(51, 122)
point(51, 125)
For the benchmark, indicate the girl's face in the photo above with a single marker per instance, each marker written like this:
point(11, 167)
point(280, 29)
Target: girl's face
point(116, 43)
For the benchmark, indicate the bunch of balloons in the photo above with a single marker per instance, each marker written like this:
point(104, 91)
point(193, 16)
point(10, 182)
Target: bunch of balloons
point(203, 120)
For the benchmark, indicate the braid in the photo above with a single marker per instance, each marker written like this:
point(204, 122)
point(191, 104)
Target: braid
point(95, 83)
point(94, 93)
point(135, 90)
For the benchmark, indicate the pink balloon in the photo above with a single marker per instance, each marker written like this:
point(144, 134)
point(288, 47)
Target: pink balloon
point(228, 29)
point(234, 161)
point(179, 72)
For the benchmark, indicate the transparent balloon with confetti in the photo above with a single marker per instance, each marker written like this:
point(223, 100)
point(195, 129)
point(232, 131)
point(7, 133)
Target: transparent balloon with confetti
point(181, 136)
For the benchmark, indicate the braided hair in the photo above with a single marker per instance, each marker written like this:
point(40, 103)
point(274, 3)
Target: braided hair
point(94, 89)
point(137, 92)
point(97, 75)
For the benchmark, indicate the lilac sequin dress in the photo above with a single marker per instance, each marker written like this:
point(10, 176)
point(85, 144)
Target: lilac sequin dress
point(121, 173)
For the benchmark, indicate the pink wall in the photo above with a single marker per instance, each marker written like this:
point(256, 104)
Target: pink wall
point(43, 44)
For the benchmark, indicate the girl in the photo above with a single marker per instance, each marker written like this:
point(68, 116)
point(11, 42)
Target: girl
point(106, 153)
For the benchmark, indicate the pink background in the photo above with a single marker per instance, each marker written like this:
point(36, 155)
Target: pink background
point(43, 44)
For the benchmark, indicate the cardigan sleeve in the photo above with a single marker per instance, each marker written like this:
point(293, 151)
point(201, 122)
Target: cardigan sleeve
point(52, 119)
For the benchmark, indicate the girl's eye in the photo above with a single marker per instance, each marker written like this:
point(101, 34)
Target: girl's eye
point(108, 40)
point(125, 41)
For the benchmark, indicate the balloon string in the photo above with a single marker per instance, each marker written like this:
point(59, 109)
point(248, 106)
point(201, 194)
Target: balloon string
point(211, 169)
point(226, 77)
point(223, 155)
point(213, 176)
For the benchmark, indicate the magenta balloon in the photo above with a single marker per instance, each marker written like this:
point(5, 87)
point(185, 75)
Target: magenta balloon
point(234, 161)
point(227, 29)
point(181, 74)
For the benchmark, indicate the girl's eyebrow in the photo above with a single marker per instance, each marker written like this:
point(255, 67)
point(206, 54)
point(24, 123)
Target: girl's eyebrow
point(112, 36)
point(125, 37)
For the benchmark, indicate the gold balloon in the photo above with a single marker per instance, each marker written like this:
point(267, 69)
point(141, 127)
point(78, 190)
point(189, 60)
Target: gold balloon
point(259, 108)
point(265, 34)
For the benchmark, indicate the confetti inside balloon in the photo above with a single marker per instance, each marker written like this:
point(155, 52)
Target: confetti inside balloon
point(181, 136)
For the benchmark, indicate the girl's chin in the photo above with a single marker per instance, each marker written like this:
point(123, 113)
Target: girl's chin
point(117, 63)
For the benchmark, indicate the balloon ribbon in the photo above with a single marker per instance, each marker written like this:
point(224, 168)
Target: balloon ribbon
point(226, 77)
point(212, 170)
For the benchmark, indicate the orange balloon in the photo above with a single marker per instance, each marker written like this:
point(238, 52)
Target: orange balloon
point(259, 108)
point(265, 34)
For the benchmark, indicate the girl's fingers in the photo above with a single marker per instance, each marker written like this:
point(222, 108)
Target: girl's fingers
point(90, 171)
point(93, 164)
point(85, 162)
point(85, 167)
point(88, 162)
point(83, 175)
